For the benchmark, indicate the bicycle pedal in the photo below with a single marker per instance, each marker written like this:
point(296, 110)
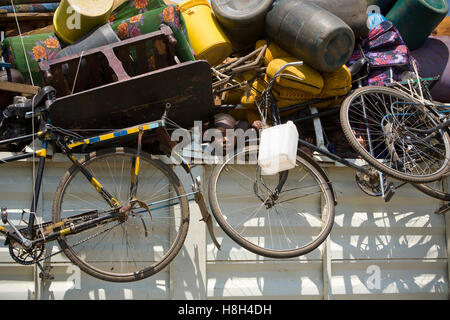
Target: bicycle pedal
point(443, 209)
point(389, 193)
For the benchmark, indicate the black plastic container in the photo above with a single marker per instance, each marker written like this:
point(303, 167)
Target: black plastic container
point(242, 20)
point(352, 12)
point(310, 33)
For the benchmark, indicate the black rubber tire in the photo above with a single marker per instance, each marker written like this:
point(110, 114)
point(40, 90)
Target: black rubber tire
point(327, 193)
point(347, 129)
point(171, 252)
point(432, 191)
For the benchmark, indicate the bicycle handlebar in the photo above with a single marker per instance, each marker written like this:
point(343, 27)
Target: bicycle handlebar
point(25, 109)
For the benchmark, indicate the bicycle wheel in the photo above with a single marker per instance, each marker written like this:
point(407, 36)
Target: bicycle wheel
point(434, 189)
point(141, 245)
point(392, 132)
point(290, 224)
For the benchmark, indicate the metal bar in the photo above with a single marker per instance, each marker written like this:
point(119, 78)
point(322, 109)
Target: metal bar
point(326, 262)
point(136, 166)
point(94, 182)
point(315, 115)
point(18, 157)
point(73, 230)
point(174, 198)
point(37, 190)
point(334, 157)
point(435, 129)
point(18, 139)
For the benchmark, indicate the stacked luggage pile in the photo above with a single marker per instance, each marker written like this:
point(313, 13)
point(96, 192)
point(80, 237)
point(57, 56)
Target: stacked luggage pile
point(327, 35)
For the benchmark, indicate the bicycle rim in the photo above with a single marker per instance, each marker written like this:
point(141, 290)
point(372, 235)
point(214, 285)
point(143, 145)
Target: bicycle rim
point(295, 224)
point(144, 243)
point(388, 129)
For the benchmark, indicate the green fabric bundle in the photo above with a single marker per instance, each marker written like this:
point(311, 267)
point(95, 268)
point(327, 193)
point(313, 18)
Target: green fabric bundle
point(131, 8)
point(39, 46)
point(150, 21)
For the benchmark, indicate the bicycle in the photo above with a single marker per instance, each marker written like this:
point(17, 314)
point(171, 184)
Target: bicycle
point(420, 90)
point(117, 204)
point(269, 227)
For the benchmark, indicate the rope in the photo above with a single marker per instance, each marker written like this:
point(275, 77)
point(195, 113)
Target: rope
point(32, 110)
point(76, 75)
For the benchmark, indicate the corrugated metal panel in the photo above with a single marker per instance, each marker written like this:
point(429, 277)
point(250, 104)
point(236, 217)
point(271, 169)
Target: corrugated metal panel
point(16, 282)
point(395, 250)
point(236, 273)
point(386, 250)
point(73, 284)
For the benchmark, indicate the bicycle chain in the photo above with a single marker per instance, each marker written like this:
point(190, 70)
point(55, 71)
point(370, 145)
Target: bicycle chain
point(81, 241)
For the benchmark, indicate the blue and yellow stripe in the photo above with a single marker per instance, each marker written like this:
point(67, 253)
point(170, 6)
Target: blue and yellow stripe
point(116, 134)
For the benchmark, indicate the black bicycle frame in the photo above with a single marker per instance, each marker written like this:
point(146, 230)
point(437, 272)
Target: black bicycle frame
point(277, 120)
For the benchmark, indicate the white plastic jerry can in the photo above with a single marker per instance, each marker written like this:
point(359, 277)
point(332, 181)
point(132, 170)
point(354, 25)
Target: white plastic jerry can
point(278, 148)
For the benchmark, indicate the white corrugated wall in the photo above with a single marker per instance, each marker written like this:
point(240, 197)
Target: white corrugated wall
point(377, 250)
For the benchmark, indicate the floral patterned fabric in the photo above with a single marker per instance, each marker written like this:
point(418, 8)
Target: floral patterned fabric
point(150, 21)
point(132, 8)
point(40, 46)
point(387, 53)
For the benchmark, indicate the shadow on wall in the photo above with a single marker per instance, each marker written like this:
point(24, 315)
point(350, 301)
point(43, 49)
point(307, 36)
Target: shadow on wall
point(401, 258)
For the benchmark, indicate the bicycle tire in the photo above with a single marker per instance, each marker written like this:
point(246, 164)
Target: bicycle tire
point(253, 240)
point(434, 190)
point(112, 260)
point(395, 168)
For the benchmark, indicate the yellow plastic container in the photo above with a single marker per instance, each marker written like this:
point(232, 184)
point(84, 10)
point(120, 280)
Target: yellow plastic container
point(272, 52)
point(75, 18)
point(205, 35)
point(308, 79)
point(337, 83)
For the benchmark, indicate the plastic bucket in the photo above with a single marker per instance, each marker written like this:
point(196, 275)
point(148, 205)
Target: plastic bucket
point(75, 18)
point(416, 19)
point(205, 36)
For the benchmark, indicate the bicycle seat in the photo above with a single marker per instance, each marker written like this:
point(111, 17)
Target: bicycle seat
point(20, 109)
point(358, 66)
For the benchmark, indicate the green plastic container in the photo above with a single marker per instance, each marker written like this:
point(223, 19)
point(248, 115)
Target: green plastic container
point(416, 19)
